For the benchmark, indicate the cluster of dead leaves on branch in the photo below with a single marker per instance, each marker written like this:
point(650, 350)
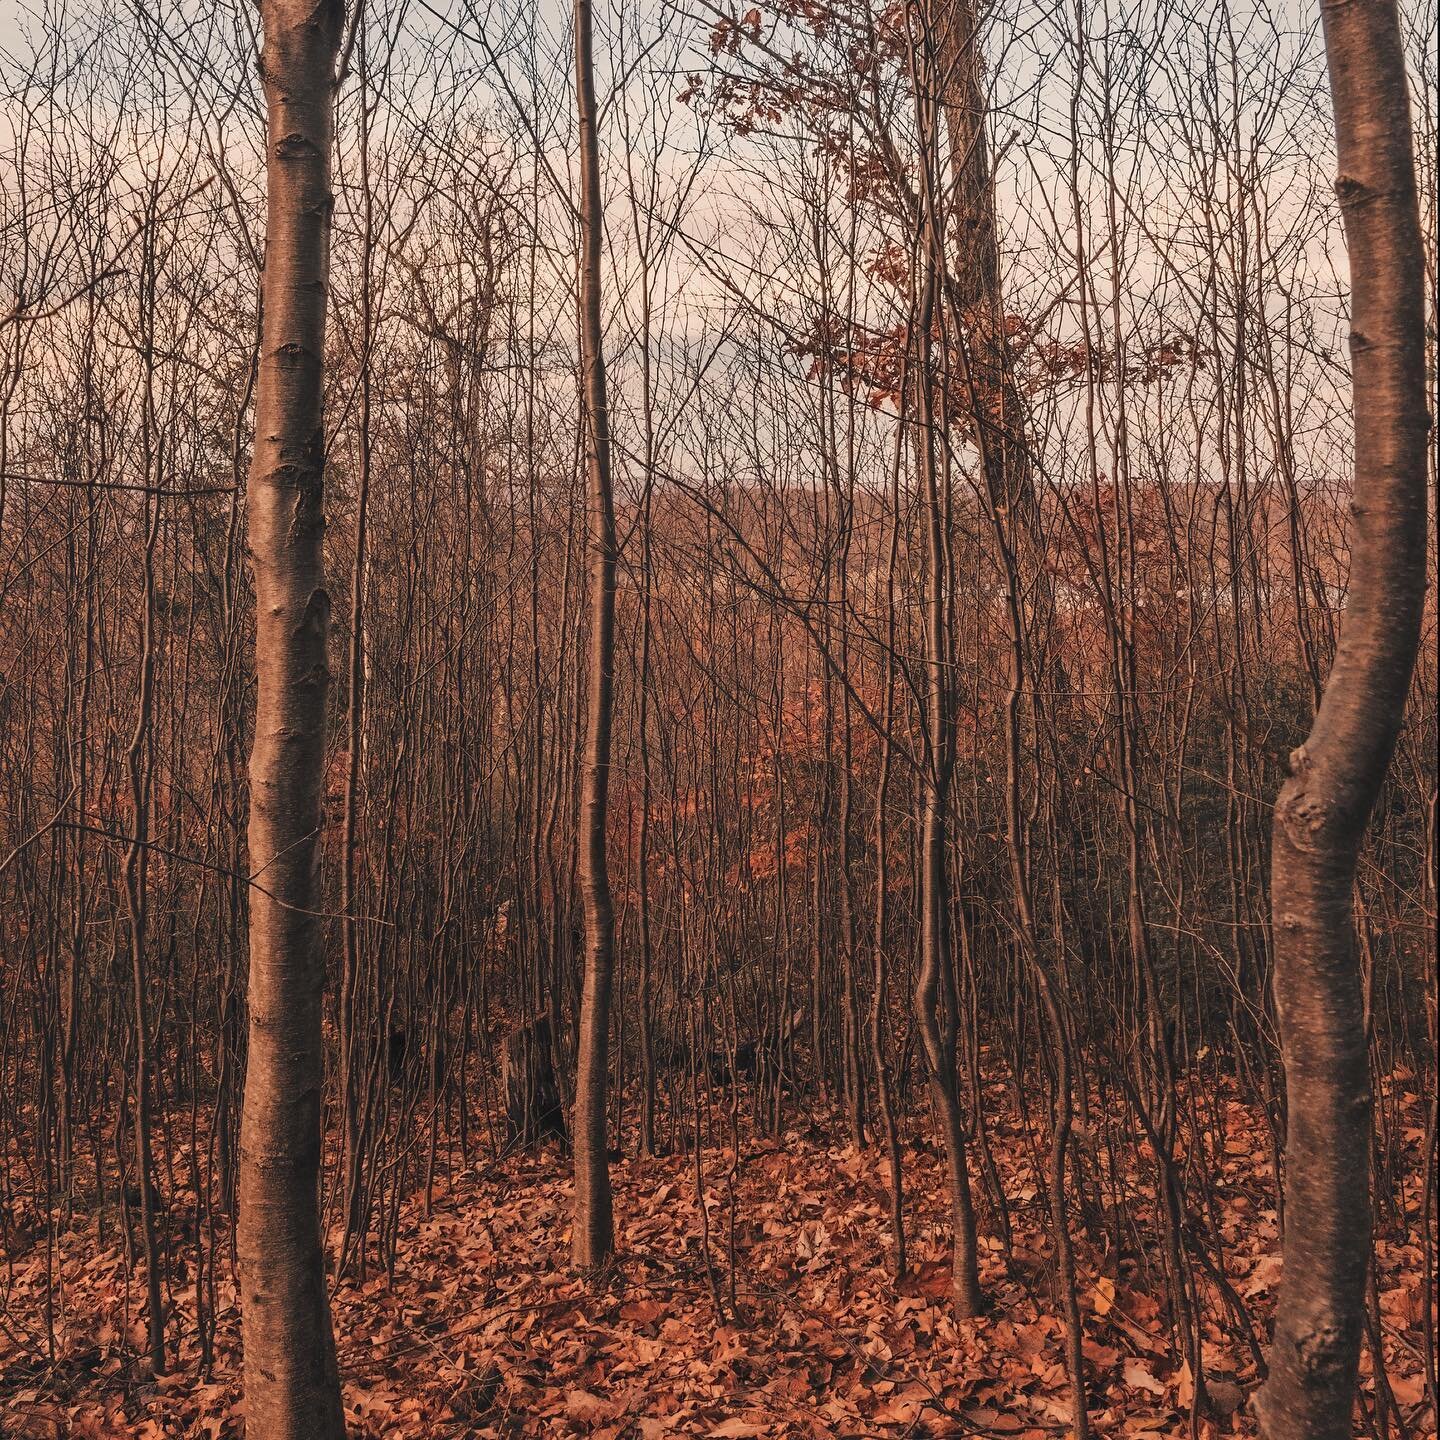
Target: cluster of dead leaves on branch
point(773, 1315)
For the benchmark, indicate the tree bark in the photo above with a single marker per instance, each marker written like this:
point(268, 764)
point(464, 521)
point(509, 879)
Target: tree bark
point(593, 1234)
point(291, 1380)
point(972, 279)
point(350, 1067)
point(934, 996)
point(1336, 775)
point(532, 1098)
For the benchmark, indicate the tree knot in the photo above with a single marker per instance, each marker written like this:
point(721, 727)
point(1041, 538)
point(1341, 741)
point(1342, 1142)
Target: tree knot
point(1322, 1349)
point(290, 355)
point(296, 147)
point(1352, 192)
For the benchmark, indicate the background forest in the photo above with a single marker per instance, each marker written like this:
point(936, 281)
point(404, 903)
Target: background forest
point(943, 765)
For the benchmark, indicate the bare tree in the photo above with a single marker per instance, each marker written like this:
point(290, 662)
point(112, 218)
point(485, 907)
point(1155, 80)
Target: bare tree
point(292, 1383)
point(593, 1236)
point(1336, 775)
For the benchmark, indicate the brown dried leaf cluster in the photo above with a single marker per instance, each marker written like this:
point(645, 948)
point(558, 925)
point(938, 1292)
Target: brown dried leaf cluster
point(484, 1330)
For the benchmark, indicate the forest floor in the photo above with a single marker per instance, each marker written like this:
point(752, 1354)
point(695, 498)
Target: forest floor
point(484, 1331)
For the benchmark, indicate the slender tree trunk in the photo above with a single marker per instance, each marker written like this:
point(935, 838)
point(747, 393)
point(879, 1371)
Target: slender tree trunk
point(880, 982)
point(138, 769)
point(593, 1236)
point(642, 863)
point(935, 1015)
point(291, 1381)
point(934, 994)
point(1337, 773)
point(350, 1069)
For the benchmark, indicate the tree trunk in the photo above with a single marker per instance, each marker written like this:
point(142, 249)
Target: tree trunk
point(350, 1068)
point(532, 1098)
point(139, 769)
point(593, 1236)
point(1337, 773)
point(972, 278)
point(934, 997)
point(291, 1381)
